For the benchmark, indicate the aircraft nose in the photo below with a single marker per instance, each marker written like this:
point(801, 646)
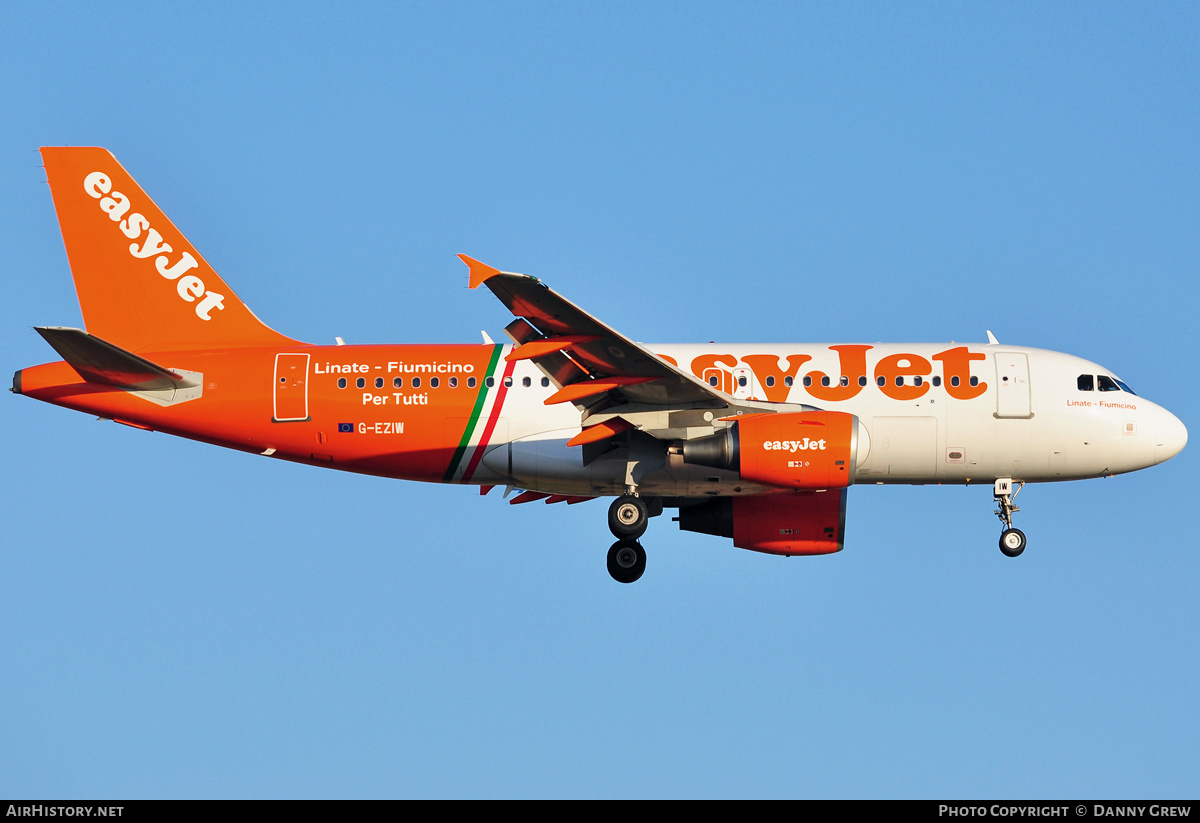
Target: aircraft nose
point(1170, 437)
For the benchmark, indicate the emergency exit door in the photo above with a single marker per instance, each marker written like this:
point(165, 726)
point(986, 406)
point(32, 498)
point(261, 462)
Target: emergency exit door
point(291, 388)
point(1012, 384)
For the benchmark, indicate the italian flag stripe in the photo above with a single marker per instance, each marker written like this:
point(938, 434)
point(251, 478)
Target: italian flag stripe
point(473, 421)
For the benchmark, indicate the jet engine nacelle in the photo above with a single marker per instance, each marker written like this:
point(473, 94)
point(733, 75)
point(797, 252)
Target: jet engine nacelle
point(787, 523)
point(792, 450)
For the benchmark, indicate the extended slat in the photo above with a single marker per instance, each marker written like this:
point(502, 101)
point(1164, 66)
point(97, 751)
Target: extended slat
point(590, 388)
point(549, 345)
point(600, 431)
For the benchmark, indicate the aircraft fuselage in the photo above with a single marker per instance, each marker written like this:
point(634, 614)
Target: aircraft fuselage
point(930, 413)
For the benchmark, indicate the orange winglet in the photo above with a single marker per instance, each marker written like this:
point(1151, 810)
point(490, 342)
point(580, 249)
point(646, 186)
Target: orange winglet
point(587, 388)
point(527, 497)
point(537, 348)
point(479, 271)
point(600, 431)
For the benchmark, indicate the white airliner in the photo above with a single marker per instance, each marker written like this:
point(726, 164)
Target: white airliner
point(757, 443)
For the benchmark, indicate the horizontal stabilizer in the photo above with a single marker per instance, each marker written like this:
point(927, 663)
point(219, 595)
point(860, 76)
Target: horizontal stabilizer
point(99, 361)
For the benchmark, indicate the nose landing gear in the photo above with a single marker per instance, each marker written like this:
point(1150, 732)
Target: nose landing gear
point(1012, 541)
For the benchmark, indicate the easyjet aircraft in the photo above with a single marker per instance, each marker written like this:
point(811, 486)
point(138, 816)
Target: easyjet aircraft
point(757, 443)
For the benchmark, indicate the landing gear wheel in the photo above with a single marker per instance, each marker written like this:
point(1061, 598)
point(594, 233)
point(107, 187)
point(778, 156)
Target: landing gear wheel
point(1012, 542)
point(628, 517)
point(626, 561)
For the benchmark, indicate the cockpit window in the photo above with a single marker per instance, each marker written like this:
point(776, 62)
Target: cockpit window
point(1108, 384)
point(1125, 387)
point(1086, 383)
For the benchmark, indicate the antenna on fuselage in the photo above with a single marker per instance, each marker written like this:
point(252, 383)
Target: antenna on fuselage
point(992, 338)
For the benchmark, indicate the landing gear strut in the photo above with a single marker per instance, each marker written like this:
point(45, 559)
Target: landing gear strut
point(1012, 541)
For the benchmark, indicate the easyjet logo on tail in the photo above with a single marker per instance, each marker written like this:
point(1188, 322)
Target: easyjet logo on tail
point(189, 287)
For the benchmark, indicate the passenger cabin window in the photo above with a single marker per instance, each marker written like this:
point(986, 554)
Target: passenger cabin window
point(807, 381)
point(1085, 383)
point(397, 382)
point(843, 380)
point(489, 382)
point(712, 380)
point(881, 380)
point(470, 382)
point(434, 382)
point(341, 382)
point(954, 381)
point(937, 380)
point(742, 382)
point(545, 382)
point(862, 380)
point(788, 381)
point(825, 380)
point(453, 382)
point(361, 382)
point(974, 381)
point(508, 382)
point(416, 382)
point(770, 380)
point(379, 382)
point(526, 382)
point(1108, 384)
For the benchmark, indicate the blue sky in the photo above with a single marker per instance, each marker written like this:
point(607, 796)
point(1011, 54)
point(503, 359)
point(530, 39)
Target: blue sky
point(182, 621)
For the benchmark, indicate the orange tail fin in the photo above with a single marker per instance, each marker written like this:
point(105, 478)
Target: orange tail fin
point(141, 284)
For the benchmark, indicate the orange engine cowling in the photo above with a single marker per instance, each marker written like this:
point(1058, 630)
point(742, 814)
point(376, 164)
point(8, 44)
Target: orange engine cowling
point(789, 523)
point(793, 450)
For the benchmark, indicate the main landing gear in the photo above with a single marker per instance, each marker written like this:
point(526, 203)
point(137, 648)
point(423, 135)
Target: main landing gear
point(626, 561)
point(1012, 541)
point(628, 517)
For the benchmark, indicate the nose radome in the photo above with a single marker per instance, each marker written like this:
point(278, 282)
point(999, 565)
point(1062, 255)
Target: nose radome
point(1171, 436)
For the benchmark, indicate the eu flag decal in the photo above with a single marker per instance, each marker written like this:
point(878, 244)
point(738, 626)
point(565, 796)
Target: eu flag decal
point(345, 428)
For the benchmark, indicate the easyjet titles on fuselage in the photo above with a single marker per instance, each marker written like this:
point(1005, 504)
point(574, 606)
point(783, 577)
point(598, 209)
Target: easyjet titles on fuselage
point(900, 376)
